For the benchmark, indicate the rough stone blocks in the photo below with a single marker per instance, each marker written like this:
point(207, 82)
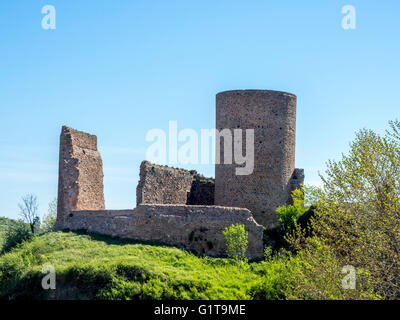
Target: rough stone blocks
point(80, 175)
point(272, 115)
point(167, 185)
point(202, 190)
point(162, 185)
point(197, 228)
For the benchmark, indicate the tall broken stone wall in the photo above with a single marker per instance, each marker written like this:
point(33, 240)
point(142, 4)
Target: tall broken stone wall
point(80, 175)
point(166, 185)
point(162, 184)
point(197, 228)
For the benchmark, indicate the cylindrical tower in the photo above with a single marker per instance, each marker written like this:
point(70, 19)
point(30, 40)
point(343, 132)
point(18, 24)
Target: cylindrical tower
point(272, 115)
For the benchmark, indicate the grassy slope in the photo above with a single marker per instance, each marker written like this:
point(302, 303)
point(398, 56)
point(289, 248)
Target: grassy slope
point(100, 267)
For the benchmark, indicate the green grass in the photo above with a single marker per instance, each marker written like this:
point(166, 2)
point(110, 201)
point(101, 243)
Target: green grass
point(90, 267)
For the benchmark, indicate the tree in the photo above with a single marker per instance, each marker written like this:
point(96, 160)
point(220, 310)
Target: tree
point(358, 212)
point(49, 220)
point(29, 211)
point(394, 132)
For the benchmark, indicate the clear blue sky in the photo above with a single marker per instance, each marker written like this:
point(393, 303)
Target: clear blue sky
point(120, 68)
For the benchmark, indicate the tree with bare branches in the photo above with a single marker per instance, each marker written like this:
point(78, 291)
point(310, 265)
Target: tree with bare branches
point(29, 210)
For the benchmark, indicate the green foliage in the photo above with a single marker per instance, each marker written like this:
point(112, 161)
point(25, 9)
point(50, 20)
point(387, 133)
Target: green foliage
point(298, 199)
point(49, 220)
point(95, 267)
point(318, 275)
point(304, 221)
point(98, 267)
point(236, 241)
point(357, 220)
point(277, 275)
point(15, 234)
point(300, 212)
point(394, 132)
point(5, 223)
point(311, 196)
point(288, 214)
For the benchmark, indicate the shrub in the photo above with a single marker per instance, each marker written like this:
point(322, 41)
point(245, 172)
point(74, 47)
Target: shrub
point(319, 274)
point(236, 241)
point(49, 220)
point(48, 224)
point(305, 220)
point(278, 271)
point(287, 216)
point(16, 234)
point(358, 215)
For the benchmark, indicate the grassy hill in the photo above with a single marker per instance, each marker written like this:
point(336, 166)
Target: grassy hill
point(89, 266)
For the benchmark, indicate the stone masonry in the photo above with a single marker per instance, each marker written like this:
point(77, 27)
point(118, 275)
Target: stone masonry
point(181, 207)
point(196, 228)
point(162, 184)
point(80, 174)
point(167, 185)
point(272, 115)
point(202, 190)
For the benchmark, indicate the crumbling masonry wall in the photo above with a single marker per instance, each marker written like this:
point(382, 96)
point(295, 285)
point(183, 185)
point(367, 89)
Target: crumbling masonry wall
point(162, 184)
point(80, 174)
point(193, 227)
point(176, 206)
point(202, 190)
point(167, 185)
point(197, 228)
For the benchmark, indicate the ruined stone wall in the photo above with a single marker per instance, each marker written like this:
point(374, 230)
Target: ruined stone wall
point(272, 115)
point(162, 184)
point(80, 175)
point(197, 228)
point(202, 190)
point(166, 185)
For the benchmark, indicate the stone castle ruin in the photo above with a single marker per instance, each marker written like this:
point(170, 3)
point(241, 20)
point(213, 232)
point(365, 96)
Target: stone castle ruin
point(183, 208)
point(272, 115)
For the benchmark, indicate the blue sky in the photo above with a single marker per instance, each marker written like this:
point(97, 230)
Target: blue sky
point(120, 68)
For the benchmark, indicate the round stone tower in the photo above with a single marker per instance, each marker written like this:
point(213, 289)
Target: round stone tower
point(272, 115)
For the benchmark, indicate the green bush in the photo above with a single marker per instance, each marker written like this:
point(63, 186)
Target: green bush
point(357, 220)
point(319, 274)
point(49, 219)
point(236, 241)
point(287, 216)
point(277, 272)
point(16, 234)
